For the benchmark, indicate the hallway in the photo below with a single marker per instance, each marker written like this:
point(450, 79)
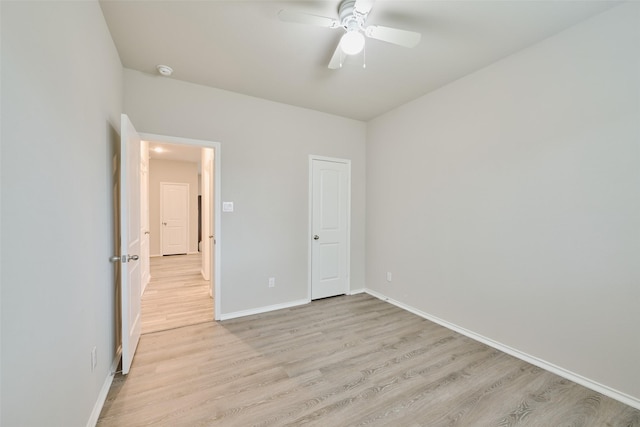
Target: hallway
point(176, 295)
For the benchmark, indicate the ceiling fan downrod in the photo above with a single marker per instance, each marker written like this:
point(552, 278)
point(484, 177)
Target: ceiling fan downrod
point(350, 18)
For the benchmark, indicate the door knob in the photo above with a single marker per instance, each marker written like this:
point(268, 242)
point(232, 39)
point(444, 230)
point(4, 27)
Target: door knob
point(316, 237)
point(124, 258)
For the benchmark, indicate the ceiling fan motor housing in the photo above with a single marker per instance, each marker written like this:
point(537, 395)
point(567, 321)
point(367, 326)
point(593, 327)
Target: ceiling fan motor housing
point(350, 18)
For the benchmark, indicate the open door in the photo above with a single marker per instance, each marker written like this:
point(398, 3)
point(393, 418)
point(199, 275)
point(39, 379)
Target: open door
point(130, 240)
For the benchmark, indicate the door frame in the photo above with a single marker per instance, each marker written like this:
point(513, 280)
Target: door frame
point(207, 157)
point(347, 162)
point(217, 218)
point(188, 223)
point(144, 210)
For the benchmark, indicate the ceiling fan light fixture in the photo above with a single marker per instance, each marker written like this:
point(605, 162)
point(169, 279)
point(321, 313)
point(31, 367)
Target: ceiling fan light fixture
point(352, 42)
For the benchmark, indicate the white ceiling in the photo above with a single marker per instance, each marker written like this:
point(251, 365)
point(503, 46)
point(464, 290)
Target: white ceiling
point(178, 152)
point(242, 46)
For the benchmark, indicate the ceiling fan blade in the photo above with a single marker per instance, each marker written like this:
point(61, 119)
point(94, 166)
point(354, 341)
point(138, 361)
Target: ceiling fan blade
point(393, 35)
point(306, 18)
point(336, 59)
point(364, 6)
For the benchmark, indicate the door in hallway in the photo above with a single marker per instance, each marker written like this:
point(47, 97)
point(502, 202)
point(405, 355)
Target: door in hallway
point(174, 217)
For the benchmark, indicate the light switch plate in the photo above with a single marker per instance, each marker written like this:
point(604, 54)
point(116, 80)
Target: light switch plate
point(227, 206)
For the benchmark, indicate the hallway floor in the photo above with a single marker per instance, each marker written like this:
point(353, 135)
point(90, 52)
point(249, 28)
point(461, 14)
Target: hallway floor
point(177, 295)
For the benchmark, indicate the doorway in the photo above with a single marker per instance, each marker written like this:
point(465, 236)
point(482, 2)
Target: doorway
point(180, 280)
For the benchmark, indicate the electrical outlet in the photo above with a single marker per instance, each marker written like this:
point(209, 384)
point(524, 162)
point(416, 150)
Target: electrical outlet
point(388, 276)
point(272, 282)
point(94, 358)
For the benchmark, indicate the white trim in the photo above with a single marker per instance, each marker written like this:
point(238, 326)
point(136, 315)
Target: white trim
point(104, 391)
point(310, 227)
point(217, 222)
point(572, 376)
point(347, 162)
point(266, 309)
point(217, 218)
point(357, 291)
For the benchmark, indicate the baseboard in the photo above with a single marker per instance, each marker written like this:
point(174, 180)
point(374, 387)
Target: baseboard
point(572, 376)
point(104, 391)
point(266, 309)
point(356, 291)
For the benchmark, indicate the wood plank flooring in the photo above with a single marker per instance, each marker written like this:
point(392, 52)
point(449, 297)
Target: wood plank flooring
point(344, 361)
point(177, 295)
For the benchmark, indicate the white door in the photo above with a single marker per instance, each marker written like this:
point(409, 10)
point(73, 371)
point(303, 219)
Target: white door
point(174, 216)
point(130, 240)
point(330, 196)
point(144, 214)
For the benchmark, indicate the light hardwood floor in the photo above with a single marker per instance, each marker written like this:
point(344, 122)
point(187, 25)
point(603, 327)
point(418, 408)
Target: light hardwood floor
point(177, 295)
point(344, 361)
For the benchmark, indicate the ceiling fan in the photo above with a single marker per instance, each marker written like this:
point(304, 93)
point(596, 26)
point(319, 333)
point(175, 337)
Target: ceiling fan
point(352, 15)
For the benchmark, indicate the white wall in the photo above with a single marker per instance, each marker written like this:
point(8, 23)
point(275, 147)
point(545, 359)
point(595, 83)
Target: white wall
point(507, 202)
point(174, 172)
point(264, 151)
point(61, 100)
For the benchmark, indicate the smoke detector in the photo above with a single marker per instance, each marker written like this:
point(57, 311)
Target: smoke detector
point(165, 70)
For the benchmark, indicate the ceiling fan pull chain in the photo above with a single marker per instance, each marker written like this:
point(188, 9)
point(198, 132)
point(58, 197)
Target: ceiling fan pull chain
point(364, 57)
